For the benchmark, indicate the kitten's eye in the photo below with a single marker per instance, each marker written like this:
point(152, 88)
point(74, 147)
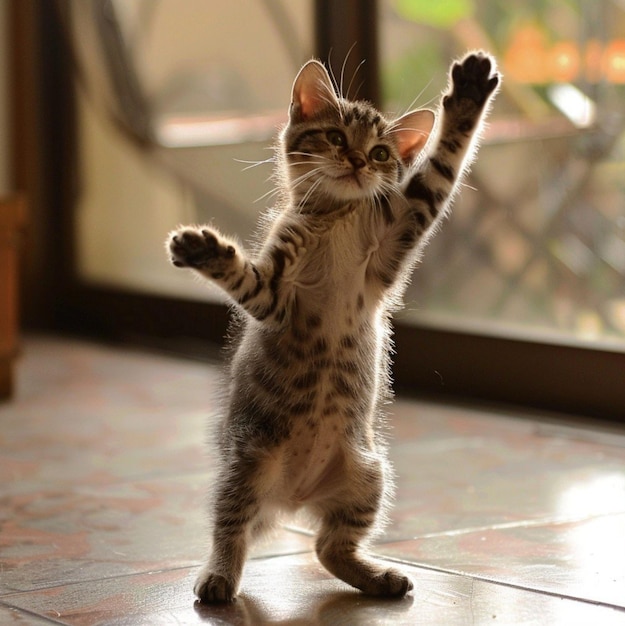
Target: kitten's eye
point(336, 138)
point(379, 154)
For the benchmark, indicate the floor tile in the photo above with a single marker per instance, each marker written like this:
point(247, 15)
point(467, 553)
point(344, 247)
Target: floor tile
point(582, 559)
point(104, 473)
point(296, 590)
point(11, 616)
point(57, 537)
point(86, 414)
point(467, 476)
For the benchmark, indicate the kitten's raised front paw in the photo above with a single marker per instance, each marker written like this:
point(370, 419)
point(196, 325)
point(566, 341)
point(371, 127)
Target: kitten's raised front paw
point(199, 249)
point(472, 80)
point(213, 588)
point(390, 584)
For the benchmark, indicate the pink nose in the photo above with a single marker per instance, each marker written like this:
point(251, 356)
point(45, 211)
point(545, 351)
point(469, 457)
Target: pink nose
point(357, 160)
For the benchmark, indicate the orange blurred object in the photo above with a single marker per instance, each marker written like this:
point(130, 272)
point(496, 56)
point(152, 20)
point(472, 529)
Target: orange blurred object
point(531, 59)
point(614, 61)
point(593, 61)
point(524, 60)
point(564, 62)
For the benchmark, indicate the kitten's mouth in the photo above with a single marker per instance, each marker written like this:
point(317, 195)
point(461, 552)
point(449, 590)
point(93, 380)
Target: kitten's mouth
point(351, 176)
point(349, 185)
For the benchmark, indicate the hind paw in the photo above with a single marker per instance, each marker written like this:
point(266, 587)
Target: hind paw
point(390, 584)
point(213, 588)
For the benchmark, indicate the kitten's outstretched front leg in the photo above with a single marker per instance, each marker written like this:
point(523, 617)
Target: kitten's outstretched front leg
point(429, 190)
point(250, 284)
point(201, 250)
point(474, 81)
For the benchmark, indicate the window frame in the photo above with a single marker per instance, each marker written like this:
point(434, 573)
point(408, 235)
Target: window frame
point(451, 364)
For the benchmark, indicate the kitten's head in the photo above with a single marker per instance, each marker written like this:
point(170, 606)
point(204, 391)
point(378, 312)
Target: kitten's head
point(341, 150)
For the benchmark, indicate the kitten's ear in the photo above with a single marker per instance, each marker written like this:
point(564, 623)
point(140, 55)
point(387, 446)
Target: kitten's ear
point(312, 92)
point(411, 132)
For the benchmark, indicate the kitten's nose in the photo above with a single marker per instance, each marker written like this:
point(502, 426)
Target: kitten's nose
point(357, 159)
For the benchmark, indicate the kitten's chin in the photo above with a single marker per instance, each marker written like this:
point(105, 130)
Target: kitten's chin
point(348, 188)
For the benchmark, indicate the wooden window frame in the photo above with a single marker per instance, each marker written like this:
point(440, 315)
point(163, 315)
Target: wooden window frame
point(452, 364)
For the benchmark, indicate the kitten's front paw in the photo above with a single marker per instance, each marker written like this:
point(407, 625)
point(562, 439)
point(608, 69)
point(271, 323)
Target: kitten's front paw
point(212, 588)
point(472, 80)
point(198, 249)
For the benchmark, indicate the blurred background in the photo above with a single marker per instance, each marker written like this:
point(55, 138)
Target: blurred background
point(124, 118)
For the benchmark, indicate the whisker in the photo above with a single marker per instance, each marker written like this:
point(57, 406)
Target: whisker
point(294, 185)
point(415, 100)
point(268, 194)
point(253, 164)
point(308, 193)
point(331, 102)
point(393, 190)
point(305, 177)
point(341, 91)
point(331, 71)
point(467, 186)
point(396, 129)
point(349, 87)
point(309, 154)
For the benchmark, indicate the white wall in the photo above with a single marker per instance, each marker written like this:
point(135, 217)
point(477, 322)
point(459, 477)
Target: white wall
point(129, 202)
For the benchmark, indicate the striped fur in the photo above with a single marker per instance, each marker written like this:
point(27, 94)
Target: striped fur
point(310, 373)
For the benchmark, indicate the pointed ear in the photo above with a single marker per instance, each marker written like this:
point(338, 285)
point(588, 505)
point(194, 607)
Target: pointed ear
point(411, 132)
point(312, 92)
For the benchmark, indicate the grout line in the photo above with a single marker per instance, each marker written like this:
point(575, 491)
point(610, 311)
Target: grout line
point(267, 557)
point(69, 583)
point(43, 618)
point(55, 585)
point(501, 583)
point(531, 523)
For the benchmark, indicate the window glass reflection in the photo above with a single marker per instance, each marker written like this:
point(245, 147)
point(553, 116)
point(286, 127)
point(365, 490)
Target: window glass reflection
point(537, 238)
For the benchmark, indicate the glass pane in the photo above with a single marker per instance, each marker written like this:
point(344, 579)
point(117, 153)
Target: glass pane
point(536, 240)
point(209, 84)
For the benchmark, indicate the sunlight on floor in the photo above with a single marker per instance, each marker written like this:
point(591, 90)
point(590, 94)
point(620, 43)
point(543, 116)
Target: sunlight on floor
point(104, 471)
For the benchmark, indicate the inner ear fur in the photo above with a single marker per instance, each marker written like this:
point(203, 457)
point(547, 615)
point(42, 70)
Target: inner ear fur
point(312, 92)
point(411, 132)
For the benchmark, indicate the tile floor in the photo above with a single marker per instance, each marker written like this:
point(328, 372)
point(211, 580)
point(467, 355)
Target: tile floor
point(499, 519)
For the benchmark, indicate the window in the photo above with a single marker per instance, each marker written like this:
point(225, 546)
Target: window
point(518, 299)
point(206, 85)
point(536, 243)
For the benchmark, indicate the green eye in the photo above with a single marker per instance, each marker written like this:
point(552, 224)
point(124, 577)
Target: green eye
point(379, 154)
point(336, 138)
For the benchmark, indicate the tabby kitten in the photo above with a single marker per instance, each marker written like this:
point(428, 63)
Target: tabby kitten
point(310, 373)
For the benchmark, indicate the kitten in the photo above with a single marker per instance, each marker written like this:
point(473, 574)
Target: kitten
point(310, 374)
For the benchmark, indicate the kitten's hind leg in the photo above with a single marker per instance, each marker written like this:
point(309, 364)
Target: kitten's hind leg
point(236, 520)
point(346, 523)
